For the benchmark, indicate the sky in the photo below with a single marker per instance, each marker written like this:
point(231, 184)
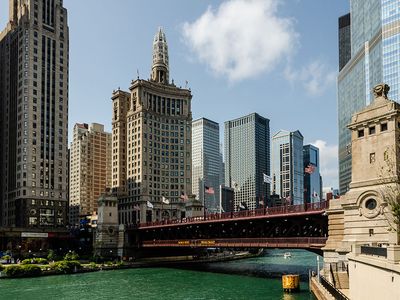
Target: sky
point(278, 58)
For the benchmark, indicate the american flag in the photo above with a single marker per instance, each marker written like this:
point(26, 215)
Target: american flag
point(209, 190)
point(267, 178)
point(309, 169)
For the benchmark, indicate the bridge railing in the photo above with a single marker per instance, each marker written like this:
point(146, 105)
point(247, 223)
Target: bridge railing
point(232, 242)
point(275, 210)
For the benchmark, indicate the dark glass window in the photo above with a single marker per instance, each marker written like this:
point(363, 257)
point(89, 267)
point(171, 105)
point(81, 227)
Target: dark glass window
point(372, 130)
point(371, 204)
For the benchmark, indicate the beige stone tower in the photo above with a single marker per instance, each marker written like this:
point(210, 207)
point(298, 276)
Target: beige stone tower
point(106, 236)
point(152, 146)
point(160, 68)
point(90, 169)
point(363, 215)
point(34, 64)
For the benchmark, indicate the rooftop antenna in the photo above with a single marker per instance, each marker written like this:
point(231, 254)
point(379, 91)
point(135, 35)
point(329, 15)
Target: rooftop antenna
point(137, 71)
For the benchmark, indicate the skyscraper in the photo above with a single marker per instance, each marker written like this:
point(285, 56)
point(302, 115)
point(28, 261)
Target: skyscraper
point(152, 132)
point(90, 169)
point(247, 158)
point(375, 58)
point(287, 166)
point(207, 163)
point(34, 114)
point(344, 40)
point(312, 177)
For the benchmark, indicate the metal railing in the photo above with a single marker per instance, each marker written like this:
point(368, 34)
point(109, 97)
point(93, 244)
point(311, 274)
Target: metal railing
point(292, 242)
point(337, 294)
point(267, 211)
point(339, 267)
point(377, 251)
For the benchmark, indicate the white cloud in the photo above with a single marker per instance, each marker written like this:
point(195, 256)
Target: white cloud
point(242, 38)
point(328, 156)
point(315, 77)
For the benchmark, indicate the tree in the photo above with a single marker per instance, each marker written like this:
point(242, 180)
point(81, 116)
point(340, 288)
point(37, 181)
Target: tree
point(72, 255)
point(390, 188)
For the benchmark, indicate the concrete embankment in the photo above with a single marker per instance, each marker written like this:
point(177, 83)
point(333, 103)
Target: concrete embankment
point(319, 291)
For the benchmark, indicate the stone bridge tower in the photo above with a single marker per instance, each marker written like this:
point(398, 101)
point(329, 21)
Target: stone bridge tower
point(363, 216)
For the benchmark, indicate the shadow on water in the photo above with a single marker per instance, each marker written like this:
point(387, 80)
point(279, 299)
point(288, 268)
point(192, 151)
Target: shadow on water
point(271, 264)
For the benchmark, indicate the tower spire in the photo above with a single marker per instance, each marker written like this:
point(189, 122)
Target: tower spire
point(160, 68)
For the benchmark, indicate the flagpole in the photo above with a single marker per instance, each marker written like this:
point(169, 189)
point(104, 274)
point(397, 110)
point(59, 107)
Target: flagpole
point(204, 199)
point(220, 199)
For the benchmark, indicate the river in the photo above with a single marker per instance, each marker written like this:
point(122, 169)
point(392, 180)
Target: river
point(244, 279)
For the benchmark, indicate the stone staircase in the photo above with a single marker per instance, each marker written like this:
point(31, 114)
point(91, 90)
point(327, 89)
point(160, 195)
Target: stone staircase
point(341, 280)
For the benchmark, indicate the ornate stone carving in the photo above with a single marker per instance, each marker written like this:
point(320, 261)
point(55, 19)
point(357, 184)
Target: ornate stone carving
point(381, 90)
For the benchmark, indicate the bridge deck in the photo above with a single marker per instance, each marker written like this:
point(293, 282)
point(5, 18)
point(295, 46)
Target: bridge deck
point(261, 213)
point(289, 242)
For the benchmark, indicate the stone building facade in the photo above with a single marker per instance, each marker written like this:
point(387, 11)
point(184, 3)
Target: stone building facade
point(108, 237)
point(34, 115)
point(363, 231)
point(151, 141)
point(90, 169)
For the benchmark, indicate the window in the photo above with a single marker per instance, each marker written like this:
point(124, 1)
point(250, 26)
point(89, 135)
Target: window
point(361, 133)
point(384, 127)
point(372, 130)
point(371, 204)
point(371, 158)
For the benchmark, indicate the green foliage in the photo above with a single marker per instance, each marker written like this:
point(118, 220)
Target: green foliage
point(65, 266)
point(1, 267)
point(51, 255)
point(40, 261)
point(22, 270)
point(71, 256)
point(109, 263)
point(396, 212)
point(119, 264)
point(6, 257)
point(92, 265)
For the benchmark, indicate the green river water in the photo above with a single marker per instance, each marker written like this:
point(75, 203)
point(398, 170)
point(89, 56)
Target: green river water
point(244, 279)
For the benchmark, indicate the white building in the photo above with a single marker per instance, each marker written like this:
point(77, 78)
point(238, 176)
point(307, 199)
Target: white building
point(207, 162)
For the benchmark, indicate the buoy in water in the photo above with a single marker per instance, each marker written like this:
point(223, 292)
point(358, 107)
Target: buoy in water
point(291, 283)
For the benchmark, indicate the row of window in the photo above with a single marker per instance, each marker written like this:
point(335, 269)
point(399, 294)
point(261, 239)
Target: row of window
point(372, 130)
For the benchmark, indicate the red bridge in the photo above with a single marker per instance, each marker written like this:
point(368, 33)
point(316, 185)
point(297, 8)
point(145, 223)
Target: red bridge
point(294, 226)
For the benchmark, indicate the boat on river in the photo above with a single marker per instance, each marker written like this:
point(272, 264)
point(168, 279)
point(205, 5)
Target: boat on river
point(287, 255)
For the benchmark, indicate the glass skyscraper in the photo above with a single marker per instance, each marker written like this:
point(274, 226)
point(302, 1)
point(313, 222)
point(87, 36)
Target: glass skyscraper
point(206, 162)
point(247, 158)
point(375, 58)
point(287, 166)
point(344, 40)
point(312, 177)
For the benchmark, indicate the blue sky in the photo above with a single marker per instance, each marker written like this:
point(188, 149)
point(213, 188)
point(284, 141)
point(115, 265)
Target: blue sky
point(275, 57)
